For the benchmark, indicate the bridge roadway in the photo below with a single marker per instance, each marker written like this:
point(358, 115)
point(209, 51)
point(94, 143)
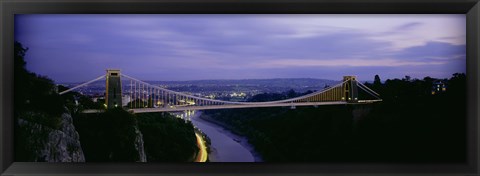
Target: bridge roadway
point(232, 106)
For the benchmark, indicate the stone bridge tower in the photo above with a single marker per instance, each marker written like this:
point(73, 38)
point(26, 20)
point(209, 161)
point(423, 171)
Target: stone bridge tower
point(350, 90)
point(113, 96)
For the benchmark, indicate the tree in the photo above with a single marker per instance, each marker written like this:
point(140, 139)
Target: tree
point(21, 74)
point(33, 92)
point(457, 83)
point(377, 80)
point(326, 86)
point(19, 54)
point(291, 93)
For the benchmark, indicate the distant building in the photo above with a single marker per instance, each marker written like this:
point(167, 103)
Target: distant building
point(439, 86)
point(125, 100)
point(95, 98)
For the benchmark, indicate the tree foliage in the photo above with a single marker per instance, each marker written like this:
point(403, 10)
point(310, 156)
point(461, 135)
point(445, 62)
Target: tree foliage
point(76, 102)
point(377, 80)
point(167, 138)
point(34, 93)
point(108, 137)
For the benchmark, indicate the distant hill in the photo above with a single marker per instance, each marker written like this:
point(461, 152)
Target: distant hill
point(276, 82)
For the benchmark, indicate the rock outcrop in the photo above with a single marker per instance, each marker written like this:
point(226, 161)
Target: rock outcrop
point(52, 145)
point(139, 145)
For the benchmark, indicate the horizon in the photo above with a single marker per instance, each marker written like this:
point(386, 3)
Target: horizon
point(77, 48)
point(361, 80)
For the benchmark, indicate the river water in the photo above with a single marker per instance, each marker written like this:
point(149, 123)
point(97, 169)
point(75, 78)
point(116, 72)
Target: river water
point(225, 146)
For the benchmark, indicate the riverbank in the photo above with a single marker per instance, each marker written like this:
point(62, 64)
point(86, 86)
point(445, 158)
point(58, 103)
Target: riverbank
point(227, 131)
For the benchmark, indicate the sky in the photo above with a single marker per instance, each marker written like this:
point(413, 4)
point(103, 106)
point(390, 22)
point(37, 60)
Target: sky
point(78, 48)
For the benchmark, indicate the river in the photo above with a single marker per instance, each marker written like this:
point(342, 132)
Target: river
point(225, 146)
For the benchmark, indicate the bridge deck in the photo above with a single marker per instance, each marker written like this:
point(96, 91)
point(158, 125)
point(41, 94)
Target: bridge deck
point(185, 108)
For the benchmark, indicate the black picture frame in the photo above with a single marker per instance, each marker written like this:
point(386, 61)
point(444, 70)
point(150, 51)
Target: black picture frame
point(8, 8)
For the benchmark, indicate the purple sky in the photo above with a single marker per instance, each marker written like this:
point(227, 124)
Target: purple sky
point(71, 48)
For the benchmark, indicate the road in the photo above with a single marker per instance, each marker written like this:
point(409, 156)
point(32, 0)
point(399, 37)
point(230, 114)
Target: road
point(232, 106)
point(202, 154)
point(184, 108)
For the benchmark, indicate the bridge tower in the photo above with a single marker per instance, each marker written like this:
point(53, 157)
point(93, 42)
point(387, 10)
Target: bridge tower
point(113, 97)
point(350, 90)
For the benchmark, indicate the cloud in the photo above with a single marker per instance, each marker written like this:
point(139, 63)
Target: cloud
point(433, 50)
point(342, 63)
point(179, 46)
point(408, 26)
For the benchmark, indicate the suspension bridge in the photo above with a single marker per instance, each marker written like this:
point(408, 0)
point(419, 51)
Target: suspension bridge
point(145, 97)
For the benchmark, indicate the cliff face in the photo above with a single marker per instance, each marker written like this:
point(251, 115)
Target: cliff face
point(51, 145)
point(139, 146)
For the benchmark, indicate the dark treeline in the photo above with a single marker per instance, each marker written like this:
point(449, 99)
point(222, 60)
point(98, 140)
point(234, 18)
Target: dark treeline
point(34, 93)
point(410, 125)
point(421, 126)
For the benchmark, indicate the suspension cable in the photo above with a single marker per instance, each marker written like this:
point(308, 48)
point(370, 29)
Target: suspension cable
point(81, 85)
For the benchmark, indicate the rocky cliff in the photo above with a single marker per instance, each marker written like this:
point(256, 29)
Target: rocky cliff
point(51, 145)
point(139, 145)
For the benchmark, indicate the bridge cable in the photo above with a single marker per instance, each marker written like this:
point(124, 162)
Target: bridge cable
point(211, 101)
point(369, 91)
point(368, 88)
point(81, 85)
